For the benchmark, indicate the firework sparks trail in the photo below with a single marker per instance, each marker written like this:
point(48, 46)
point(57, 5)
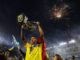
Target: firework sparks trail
point(59, 11)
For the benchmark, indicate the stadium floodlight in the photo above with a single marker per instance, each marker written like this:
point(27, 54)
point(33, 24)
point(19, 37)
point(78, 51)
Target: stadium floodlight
point(72, 41)
point(62, 43)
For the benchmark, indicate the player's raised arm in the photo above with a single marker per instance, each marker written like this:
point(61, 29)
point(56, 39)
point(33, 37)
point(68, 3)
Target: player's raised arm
point(23, 38)
point(41, 38)
point(40, 30)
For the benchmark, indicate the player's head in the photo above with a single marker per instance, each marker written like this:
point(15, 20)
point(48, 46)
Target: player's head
point(33, 39)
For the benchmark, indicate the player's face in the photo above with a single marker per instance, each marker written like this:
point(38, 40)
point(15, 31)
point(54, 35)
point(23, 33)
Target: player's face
point(33, 40)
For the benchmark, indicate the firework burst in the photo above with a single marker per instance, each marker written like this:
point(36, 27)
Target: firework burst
point(59, 12)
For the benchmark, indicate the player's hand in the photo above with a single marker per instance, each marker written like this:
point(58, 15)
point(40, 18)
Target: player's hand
point(22, 27)
point(38, 23)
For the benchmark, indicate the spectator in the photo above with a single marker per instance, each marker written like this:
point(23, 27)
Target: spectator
point(57, 57)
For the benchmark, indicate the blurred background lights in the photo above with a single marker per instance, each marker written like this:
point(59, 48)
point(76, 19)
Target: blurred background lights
point(72, 41)
point(62, 43)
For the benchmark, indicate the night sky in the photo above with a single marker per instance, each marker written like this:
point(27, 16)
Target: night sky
point(39, 10)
